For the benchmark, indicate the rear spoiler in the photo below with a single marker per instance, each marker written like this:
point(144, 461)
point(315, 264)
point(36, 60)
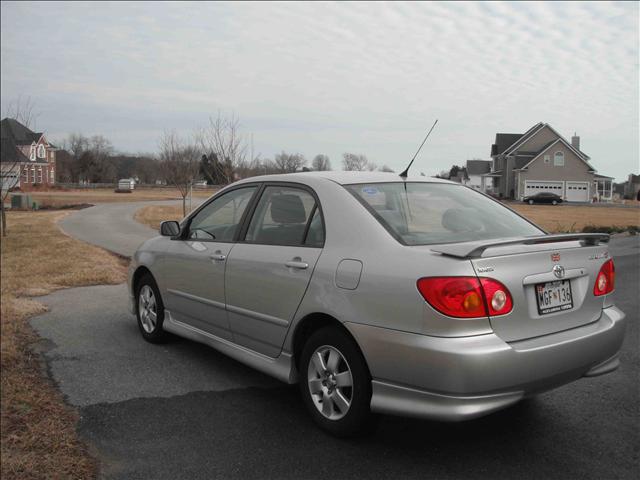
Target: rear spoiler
point(476, 249)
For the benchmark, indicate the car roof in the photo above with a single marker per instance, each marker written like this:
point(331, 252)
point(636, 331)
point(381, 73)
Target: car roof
point(343, 178)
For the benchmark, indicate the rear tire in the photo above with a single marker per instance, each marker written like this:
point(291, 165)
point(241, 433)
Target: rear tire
point(554, 202)
point(530, 202)
point(150, 310)
point(335, 383)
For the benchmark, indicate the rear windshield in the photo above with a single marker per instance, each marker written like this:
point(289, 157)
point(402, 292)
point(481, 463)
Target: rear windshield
point(431, 213)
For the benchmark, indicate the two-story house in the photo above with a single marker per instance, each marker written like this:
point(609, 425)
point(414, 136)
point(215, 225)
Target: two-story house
point(542, 160)
point(26, 157)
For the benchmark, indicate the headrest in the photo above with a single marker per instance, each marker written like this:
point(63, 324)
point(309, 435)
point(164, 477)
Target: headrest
point(287, 209)
point(461, 220)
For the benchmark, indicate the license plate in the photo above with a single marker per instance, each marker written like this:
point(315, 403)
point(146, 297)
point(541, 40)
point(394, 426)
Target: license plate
point(554, 296)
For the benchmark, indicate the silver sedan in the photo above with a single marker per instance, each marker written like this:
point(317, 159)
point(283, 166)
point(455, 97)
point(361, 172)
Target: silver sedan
point(379, 294)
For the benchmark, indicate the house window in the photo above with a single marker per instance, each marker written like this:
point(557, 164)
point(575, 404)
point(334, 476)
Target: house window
point(547, 159)
point(41, 151)
point(558, 159)
point(39, 174)
point(32, 153)
point(52, 175)
point(25, 175)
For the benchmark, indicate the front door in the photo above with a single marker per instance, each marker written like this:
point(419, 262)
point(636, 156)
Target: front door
point(268, 273)
point(195, 266)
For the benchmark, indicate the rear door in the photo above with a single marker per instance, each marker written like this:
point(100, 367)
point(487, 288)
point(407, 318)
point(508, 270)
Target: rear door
point(551, 285)
point(268, 274)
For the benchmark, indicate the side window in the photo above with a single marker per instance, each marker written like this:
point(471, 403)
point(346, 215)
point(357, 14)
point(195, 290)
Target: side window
point(315, 234)
point(220, 219)
point(283, 216)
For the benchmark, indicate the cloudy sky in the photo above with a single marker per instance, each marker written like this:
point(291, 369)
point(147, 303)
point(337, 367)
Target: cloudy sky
point(330, 78)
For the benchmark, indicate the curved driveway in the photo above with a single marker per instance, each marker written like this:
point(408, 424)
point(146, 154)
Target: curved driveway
point(111, 226)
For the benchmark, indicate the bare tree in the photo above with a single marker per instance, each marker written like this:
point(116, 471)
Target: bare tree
point(289, 162)
point(352, 161)
point(321, 163)
point(23, 110)
point(102, 165)
point(180, 163)
point(224, 147)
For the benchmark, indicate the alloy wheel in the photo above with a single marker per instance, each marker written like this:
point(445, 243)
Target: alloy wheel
point(147, 309)
point(330, 382)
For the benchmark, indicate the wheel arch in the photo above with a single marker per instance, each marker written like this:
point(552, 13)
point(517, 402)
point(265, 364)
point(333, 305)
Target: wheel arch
point(310, 324)
point(140, 272)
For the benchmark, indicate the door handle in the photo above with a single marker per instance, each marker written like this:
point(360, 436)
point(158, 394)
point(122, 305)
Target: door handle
point(297, 263)
point(218, 257)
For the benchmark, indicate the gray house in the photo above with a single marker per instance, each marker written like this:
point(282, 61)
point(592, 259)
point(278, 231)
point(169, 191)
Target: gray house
point(542, 160)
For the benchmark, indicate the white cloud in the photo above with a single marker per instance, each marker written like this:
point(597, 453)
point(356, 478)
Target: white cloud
point(330, 77)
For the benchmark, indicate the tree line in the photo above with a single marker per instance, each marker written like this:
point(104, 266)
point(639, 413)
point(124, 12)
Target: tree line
point(217, 153)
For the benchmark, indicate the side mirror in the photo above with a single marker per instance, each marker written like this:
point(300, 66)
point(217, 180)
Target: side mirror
point(169, 229)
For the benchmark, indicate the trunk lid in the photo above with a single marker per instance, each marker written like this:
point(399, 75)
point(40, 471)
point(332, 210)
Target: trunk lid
point(538, 275)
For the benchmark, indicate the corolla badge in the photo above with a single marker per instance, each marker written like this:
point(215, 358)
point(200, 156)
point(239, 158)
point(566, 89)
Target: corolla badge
point(558, 271)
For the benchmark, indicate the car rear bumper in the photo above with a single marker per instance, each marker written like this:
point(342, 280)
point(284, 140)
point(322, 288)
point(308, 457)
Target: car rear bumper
point(467, 377)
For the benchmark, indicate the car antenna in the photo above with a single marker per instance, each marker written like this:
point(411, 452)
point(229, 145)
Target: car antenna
point(406, 170)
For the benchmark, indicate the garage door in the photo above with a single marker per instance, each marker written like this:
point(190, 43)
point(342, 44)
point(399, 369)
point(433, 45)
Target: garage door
point(531, 187)
point(577, 191)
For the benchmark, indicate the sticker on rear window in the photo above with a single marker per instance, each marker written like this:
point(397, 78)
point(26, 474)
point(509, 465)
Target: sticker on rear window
point(370, 190)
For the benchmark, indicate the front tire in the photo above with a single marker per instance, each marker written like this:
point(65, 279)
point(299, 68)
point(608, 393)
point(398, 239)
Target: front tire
point(335, 383)
point(530, 202)
point(150, 310)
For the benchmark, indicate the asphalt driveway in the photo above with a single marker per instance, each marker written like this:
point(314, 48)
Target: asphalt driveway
point(112, 227)
point(182, 410)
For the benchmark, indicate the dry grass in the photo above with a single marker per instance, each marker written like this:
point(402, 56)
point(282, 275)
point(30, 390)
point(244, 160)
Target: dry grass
point(572, 218)
point(152, 215)
point(38, 430)
point(59, 198)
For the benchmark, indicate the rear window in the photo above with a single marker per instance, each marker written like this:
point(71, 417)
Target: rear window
point(431, 213)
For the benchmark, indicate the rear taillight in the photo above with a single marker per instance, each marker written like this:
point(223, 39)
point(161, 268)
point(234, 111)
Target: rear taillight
point(606, 279)
point(466, 297)
point(498, 297)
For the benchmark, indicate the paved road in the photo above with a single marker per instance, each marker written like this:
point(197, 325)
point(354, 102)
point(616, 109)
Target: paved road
point(182, 410)
point(111, 225)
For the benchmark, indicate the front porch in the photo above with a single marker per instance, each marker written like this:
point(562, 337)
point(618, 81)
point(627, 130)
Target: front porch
point(602, 188)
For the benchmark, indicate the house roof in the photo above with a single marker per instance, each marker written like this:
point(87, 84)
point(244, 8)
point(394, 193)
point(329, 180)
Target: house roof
point(478, 167)
point(10, 127)
point(9, 152)
point(14, 135)
point(525, 136)
point(504, 141)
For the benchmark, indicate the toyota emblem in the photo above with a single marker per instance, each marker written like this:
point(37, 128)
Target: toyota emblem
point(558, 271)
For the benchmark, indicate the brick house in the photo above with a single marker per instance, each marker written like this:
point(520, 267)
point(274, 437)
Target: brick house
point(26, 157)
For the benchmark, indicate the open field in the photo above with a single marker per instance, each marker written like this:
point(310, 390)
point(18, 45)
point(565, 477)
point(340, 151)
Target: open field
point(59, 198)
point(562, 218)
point(38, 429)
point(573, 218)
